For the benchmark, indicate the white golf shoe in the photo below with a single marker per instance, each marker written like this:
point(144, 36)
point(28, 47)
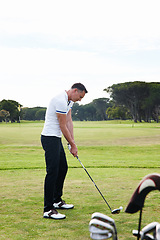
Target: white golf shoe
point(63, 205)
point(53, 214)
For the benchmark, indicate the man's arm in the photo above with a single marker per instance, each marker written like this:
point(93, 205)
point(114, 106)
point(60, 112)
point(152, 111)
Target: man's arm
point(66, 127)
point(70, 124)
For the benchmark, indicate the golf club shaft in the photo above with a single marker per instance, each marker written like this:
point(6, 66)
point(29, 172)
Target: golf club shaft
point(94, 183)
point(139, 224)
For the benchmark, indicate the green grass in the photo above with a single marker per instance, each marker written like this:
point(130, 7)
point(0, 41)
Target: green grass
point(117, 154)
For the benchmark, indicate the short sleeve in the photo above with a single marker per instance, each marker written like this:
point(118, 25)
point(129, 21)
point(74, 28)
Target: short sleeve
point(61, 107)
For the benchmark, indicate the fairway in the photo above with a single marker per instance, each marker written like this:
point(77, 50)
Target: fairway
point(117, 154)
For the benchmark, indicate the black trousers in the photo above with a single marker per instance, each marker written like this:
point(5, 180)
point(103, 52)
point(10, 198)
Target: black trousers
point(56, 170)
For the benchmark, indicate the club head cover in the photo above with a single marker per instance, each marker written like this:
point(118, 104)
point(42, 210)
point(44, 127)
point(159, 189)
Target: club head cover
point(149, 183)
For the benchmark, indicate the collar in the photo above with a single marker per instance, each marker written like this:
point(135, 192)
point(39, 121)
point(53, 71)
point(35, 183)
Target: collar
point(66, 96)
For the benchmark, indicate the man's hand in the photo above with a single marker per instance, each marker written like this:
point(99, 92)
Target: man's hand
point(73, 149)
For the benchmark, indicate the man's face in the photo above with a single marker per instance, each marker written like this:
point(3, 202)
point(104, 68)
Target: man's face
point(77, 95)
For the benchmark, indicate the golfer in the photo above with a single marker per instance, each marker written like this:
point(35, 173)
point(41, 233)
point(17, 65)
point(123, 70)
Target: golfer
point(58, 121)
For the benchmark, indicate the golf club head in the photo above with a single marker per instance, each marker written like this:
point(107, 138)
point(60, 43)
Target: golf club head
point(117, 210)
point(103, 217)
point(97, 236)
point(148, 237)
point(135, 233)
point(100, 227)
point(144, 237)
point(157, 232)
point(94, 229)
point(106, 219)
point(144, 233)
point(97, 226)
point(149, 228)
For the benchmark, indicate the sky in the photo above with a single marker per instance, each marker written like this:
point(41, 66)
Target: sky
point(48, 45)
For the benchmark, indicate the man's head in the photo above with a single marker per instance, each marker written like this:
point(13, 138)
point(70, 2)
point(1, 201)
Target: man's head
point(80, 87)
point(77, 92)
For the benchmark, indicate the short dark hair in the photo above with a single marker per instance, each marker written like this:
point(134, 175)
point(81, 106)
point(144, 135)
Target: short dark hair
point(80, 87)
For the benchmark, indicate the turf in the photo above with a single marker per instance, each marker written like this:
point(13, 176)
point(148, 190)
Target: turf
point(117, 155)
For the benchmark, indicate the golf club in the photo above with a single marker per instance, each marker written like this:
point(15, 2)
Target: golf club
point(96, 226)
point(102, 228)
point(114, 211)
point(144, 233)
point(104, 218)
point(145, 237)
point(151, 227)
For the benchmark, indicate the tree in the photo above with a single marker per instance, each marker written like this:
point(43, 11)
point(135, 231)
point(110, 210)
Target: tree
point(40, 114)
point(36, 113)
point(142, 99)
point(12, 107)
point(131, 95)
point(4, 115)
point(89, 112)
point(79, 112)
point(94, 111)
point(152, 103)
point(101, 105)
point(118, 112)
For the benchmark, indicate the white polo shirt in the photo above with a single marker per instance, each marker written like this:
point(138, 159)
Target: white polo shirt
point(58, 104)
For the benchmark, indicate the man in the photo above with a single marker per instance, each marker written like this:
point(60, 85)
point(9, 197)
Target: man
point(58, 121)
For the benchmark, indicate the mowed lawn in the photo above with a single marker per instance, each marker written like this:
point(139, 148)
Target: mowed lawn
point(117, 154)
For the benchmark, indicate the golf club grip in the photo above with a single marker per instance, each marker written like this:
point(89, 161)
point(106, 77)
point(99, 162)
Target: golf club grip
point(93, 182)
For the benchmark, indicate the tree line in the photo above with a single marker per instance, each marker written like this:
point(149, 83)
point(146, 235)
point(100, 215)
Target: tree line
point(12, 111)
point(139, 101)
